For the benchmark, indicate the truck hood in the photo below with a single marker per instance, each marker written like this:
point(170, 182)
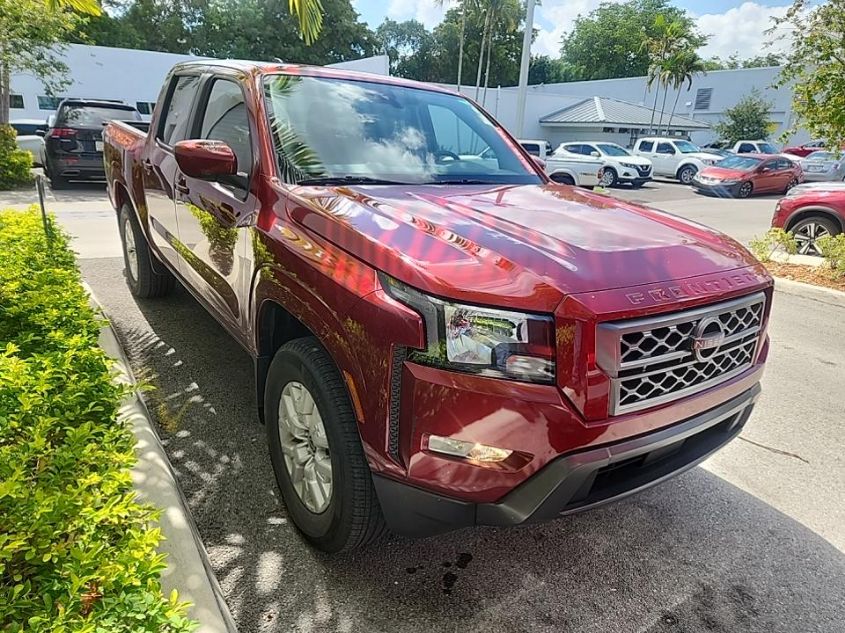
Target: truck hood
point(703, 156)
point(516, 246)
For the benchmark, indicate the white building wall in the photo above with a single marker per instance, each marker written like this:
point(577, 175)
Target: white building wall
point(100, 72)
point(729, 86)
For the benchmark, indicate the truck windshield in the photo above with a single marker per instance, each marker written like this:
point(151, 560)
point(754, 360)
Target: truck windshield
point(327, 129)
point(685, 147)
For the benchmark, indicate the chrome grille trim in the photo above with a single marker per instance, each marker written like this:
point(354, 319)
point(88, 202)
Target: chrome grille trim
point(651, 360)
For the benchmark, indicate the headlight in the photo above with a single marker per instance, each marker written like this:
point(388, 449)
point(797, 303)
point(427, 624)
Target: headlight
point(708, 161)
point(628, 165)
point(473, 339)
point(729, 182)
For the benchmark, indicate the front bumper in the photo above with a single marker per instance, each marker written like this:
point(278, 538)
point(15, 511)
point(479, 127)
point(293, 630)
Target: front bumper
point(822, 176)
point(576, 481)
point(716, 189)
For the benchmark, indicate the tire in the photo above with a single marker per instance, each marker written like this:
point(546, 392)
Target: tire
point(143, 280)
point(57, 183)
point(609, 177)
point(745, 190)
point(686, 173)
point(790, 185)
point(563, 179)
point(347, 515)
point(809, 229)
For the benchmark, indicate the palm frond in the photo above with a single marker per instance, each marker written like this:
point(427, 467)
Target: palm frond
point(88, 7)
point(310, 15)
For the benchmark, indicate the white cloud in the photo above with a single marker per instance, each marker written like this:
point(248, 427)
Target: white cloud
point(560, 14)
point(740, 30)
point(425, 11)
point(737, 30)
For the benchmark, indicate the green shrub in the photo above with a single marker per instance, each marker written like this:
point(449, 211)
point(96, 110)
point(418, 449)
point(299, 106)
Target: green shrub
point(77, 552)
point(775, 239)
point(833, 250)
point(15, 164)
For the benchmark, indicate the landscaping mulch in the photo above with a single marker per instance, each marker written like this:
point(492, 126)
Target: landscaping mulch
point(815, 275)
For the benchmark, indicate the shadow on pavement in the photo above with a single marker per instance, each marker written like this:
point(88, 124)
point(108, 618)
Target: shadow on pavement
point(695, 554)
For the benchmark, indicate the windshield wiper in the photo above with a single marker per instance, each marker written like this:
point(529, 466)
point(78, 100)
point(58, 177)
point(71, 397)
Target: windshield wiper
point(460, 181)
point(347, 180)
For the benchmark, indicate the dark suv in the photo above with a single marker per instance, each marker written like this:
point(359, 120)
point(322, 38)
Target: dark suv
point(74, 142)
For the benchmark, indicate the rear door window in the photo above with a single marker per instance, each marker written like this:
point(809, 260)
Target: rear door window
point(746, 148)
point(646, 146)
point(532, 148)
point(174, 125)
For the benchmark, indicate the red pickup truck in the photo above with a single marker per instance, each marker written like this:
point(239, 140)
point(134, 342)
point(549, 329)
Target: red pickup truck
point(439, 341)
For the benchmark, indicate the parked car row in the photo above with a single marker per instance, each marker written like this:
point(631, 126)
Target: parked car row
point(811, 212)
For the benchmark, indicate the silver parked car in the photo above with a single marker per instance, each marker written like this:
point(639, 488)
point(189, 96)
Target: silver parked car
point(824, 166)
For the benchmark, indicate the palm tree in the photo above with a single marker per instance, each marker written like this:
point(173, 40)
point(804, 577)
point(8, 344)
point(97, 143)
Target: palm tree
point(508, 12)
point(684, 66)
point(668, 39)
point(464, 5)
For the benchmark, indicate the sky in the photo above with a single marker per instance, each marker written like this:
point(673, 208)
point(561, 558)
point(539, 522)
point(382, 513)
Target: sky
point(735, 26)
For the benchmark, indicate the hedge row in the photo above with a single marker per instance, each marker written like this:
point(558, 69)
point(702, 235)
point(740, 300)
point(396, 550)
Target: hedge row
point(77, 551)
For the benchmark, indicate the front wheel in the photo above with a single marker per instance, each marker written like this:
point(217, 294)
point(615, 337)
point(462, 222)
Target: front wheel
point(609, 177)
point(686, 174)
point(563, 179)
point(745, 190)
point(792, 183)
point(316, 450)
point(808, 231)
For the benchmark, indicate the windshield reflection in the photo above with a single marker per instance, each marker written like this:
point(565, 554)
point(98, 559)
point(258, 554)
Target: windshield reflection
point(334, 131)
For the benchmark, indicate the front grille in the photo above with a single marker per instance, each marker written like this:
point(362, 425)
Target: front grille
point(653, 360)
point(643, 169)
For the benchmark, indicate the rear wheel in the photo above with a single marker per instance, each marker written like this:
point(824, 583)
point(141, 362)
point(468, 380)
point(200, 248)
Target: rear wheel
point(686, 174)
point(809, 230)
point(792, 183)
point(745, 190)
point(143, 280)
point(316, 450)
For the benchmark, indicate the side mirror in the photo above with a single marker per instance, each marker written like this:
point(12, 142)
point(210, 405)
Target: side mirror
point(205, 159)
point(595, 154)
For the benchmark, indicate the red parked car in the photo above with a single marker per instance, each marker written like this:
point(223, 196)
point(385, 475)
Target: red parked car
point(804, 150)
point(810, 214)
point(743, 175)
point(438, 342)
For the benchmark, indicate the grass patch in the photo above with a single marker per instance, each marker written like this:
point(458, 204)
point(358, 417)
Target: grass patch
point(77, 551)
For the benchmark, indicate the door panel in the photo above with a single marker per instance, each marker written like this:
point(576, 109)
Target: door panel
point(213, 244)
point(160, 167)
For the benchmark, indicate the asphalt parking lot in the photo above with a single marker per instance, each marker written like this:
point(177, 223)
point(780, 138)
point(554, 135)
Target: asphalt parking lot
point(753, 540)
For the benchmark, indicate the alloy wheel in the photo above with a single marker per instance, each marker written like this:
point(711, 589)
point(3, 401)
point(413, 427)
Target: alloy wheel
point(807, 234)
point(305, 447)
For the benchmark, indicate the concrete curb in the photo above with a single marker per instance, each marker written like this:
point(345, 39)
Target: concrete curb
point(188, 568)
point(804, 260)
point(818, 293)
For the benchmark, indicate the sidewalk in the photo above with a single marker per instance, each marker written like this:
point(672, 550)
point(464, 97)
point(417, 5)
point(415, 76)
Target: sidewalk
point(188, 569)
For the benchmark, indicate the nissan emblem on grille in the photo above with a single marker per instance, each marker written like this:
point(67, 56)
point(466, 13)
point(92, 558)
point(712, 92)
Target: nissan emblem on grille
point(707, 336)
point(665, 357)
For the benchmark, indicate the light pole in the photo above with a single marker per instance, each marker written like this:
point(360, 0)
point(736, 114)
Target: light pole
point(523, 67)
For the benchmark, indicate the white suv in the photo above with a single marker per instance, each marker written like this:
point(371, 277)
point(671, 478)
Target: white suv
point(675, 158)
point(619, 164)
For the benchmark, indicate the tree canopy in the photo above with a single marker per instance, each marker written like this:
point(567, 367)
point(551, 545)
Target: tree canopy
point(748, 119)
point(611, 41)
point(815, 67)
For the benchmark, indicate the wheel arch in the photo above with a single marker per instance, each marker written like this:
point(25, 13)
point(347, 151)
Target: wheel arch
point(811, 211)
point(563, 172)
point(276, 325)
